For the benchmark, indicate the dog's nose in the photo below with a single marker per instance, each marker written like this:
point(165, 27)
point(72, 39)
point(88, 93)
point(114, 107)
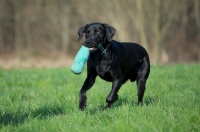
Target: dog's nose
point(87, 41)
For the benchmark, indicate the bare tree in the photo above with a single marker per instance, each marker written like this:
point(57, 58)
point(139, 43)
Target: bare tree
point(17, 21)
point(197, 18)
point(1, 35)
point(64, 23)
point(140, 22)
point(1, 41)
point(120, 22)
point(27, 30)
point(162, 18)
point(197, 12)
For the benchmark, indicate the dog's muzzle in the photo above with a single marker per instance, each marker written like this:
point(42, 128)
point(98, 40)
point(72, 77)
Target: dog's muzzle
point(91, 48)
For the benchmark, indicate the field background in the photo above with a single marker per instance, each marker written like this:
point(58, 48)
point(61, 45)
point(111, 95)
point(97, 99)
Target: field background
point(38, 92)
point(47, 100)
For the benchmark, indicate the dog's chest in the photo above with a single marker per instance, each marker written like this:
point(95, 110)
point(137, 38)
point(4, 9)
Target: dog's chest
point(103, 73)
point(101, 67)
point(100, 70)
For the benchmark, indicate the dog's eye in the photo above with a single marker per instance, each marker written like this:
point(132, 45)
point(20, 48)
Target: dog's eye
point(97, 32)
point(86, 33)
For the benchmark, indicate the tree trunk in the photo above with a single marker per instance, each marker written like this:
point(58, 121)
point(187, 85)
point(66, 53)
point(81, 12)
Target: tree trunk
point(197, 18)
point(28, 35)
point(1, 34)
point(197, 12)
point(157, 33)
point(65, 22)
point(17, 28)
point(141, 23)
point(1, 41)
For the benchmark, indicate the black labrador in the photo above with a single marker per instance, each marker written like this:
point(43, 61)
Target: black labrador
point(112, 61)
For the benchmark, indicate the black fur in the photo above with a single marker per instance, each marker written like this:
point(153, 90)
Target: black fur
point(119, 62)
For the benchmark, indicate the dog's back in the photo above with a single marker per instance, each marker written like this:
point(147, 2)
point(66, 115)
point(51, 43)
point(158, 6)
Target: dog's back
point(132, 56)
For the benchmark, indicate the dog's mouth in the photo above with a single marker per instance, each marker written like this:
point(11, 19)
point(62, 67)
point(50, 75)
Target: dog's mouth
point(91, 49)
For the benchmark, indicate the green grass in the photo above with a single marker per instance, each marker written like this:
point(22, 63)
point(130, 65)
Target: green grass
point(46, 100)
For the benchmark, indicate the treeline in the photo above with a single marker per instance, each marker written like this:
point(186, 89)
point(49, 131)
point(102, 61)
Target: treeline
point(169, 30)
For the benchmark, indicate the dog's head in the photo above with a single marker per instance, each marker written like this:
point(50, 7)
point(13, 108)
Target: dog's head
point(95, 34)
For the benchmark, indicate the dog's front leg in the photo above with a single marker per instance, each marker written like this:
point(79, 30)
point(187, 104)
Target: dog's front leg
point(89, 81)
point(113, 97)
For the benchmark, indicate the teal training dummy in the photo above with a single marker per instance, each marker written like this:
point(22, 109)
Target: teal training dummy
point(80, 60)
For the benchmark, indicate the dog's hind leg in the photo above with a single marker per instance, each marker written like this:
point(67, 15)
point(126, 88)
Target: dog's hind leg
point(142, 76)
point(113, 97)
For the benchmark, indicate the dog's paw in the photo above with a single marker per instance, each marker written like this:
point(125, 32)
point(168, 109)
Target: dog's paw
point(140, 103)
point(82, 103)
point(82, 107)
point(109, 105)
point(111, 100)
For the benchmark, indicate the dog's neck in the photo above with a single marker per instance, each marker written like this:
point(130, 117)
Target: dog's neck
point(103, 52)
point(102, 49)
point(105, 48)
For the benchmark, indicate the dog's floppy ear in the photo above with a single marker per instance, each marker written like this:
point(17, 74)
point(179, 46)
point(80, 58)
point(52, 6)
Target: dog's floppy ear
point(80, 33)
point(110, 32)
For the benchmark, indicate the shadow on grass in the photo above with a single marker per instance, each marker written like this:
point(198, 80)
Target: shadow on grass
point(150, 101)
point(121, 101)
point(19, 117)
point(45, 112)
point(12, 118)
point(146, 101)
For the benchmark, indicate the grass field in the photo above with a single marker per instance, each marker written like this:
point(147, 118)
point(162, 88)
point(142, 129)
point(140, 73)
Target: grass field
point(46, 100)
